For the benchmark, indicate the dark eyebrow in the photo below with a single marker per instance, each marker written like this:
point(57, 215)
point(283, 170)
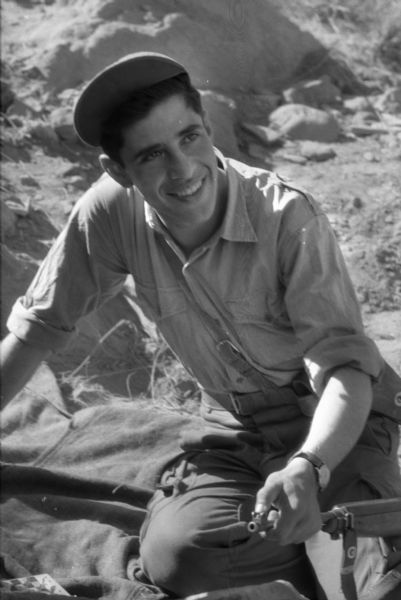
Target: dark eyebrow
point(149, 149)
point(190, 128)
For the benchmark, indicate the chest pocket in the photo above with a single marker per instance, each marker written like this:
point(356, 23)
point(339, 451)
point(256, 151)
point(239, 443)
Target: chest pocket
point(161, 302)
point(258, 306)
point(264, 329)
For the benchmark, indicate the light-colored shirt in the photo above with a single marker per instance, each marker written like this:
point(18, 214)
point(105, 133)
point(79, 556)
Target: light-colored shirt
point(274, 268)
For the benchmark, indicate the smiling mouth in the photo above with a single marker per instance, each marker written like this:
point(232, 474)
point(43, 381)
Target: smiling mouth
point(188, 190)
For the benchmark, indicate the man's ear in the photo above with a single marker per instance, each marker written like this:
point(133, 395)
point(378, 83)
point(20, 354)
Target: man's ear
point(115, 170)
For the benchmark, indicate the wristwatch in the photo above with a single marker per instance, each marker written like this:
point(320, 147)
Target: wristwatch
point(322, 471)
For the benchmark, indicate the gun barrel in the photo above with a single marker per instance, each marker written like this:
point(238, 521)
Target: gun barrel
point(259, 523)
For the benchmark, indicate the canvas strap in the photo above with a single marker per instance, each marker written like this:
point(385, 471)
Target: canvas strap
point(227, 342)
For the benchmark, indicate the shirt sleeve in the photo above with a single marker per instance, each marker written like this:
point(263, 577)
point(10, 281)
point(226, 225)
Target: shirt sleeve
point(320, 297)
point(83, 268)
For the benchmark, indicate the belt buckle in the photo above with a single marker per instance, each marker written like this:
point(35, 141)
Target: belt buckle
point(234, 402)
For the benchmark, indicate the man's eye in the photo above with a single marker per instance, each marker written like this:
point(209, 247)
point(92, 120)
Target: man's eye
point(152, 156)
point(191, 137)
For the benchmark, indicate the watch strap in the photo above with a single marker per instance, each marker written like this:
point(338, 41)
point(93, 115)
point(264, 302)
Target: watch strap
point(321, 470)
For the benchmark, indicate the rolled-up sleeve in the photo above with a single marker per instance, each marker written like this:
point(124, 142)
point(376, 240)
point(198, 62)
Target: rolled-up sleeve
point(321, 301)
point(82, 269)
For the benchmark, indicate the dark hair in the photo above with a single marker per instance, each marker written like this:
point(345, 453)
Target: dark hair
point(140, 105)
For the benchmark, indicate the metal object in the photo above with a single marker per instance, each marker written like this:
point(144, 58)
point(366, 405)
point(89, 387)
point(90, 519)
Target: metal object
point(259, 522)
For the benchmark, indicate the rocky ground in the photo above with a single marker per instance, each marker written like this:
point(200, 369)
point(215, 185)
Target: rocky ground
point(356, 177)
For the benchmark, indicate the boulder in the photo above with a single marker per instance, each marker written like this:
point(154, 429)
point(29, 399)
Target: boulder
point(359, 103)
point(8, 219)
point(61, 121)
point(19, 108)
point(265, 135)
point(225, 46)
point(7, 96)
point(317, 92)
point(389, 49)
point(44, 133)
point(316, 151)
point(390, 101)
point(322, 62)
point(256, 107)
point(300, 122)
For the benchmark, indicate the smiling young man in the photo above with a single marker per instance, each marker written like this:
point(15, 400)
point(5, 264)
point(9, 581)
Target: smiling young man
point(169, 157)
point(244, 278)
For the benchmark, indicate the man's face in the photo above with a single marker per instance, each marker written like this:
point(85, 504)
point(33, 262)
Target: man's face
point(169, 156)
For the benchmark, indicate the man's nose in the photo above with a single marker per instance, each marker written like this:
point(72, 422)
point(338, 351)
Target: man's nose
point(180, 166)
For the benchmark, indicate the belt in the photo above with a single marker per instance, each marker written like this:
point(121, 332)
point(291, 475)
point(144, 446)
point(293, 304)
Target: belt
point(245, 403)
point(240, 404)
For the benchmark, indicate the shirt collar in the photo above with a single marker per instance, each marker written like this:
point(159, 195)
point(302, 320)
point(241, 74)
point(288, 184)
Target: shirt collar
point(236, 226)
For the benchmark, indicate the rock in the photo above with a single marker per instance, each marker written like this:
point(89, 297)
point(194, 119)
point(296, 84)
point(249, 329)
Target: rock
point(71, 171)
point(77, 182)
point(22, 109)
point(30, 181)
point(358, 103)
point(389, 50)
point(15, 151)
point(266, 135)
point(222, 115)
point(390, 101)
point(19, 208)
point(44, 133)
point(61, 121)
point(293, 158)
point(8, 220)
point(365, 117)
point(301, 122)
point(364, 130)
point(255, 150)
point(317, 92)
point(320, 62)
point(7, 96)
point(255, 108)
point(371, 157)
point(316, 151)
point(225, 46)
point(68, 97)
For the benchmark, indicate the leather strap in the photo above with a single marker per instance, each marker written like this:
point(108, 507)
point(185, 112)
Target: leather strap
point(347, 568)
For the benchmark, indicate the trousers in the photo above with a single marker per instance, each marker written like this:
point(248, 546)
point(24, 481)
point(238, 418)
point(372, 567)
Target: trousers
point(195, 536)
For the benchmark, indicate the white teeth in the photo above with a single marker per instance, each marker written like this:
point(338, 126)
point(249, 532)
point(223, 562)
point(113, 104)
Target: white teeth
point(188, 191)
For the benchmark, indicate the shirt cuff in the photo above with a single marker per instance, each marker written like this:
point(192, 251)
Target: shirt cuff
point(28, 328)
point(356, 351)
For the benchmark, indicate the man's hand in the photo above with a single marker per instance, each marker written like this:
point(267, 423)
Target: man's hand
point(336, 426)
point(291, 497)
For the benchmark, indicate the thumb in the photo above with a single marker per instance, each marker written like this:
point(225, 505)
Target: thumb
point(267, 495)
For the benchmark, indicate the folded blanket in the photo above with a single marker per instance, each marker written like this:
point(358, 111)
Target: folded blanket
point(75, 484)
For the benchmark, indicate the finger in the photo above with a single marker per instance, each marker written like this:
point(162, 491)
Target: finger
point(267, 495)
point(272, 520)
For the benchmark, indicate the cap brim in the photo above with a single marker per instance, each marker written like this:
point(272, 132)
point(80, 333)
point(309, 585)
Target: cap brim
point(116, 84)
